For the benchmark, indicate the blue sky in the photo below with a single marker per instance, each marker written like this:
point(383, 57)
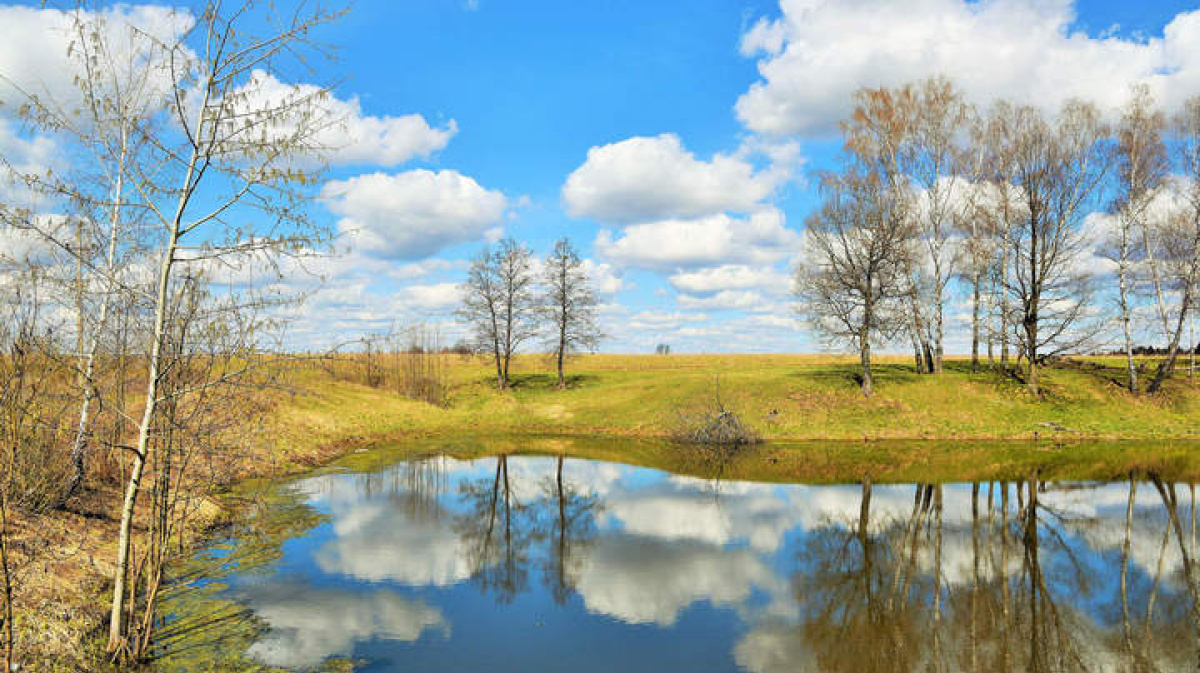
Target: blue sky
point(670, 140)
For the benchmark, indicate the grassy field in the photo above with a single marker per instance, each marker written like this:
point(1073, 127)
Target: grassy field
point(782, 397)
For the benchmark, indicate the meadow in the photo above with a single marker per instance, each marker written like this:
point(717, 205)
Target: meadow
point(783, 397)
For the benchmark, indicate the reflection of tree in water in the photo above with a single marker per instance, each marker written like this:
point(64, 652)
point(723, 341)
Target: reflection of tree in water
point(849, 586)
point(568, 525)
point(876, 595)
point(497, 531)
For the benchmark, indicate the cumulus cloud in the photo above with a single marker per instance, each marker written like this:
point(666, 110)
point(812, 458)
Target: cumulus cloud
point(729, 277)
point(818, 52)
point(648, 581)
point(719, 239)
point(34, 58)
point(344, 134)
point(308, 625)
point(652, 178)
point(35, 61)
point(434, 296)
point(413, 214)
point(726, 300)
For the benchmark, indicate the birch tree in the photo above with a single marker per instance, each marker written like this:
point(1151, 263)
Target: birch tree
point(878, 136)
point(936, 164)
point(1181, 235)
point(224, 179)
point(1140, 168)
point(569, 303)
point(1058, 168)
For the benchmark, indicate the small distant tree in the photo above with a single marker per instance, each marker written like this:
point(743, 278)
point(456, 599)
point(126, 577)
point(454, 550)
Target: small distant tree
point(662, 349)
point(570, 304)
point(499, 302)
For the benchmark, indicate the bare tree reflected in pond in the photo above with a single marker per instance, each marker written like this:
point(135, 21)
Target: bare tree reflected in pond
point(497, 530)
point(569, 531)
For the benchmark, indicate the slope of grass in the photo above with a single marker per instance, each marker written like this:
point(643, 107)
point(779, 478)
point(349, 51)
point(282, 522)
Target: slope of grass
point(783, 397)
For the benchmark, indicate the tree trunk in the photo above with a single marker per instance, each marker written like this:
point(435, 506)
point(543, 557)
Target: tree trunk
point(865, 356)
point(1168, 366)
point(499, 368)
point(6, 617)
point(79, 447)
point(116, 627)
point(1004, 308)
point(1122, 283)
point(562, 347)
point(975, 323)
point(864, 345)
point(938, 334)
point(1157, 278)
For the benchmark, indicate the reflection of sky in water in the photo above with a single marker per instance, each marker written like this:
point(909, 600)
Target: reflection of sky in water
point(416, 570)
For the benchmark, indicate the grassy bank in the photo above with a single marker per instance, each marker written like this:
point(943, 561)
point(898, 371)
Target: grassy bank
point(782, 397)
point(615, 408)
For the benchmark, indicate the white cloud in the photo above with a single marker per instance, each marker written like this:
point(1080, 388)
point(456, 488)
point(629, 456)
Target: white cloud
point(302, 637)
point(719, 239)
point(649, 581)
point(346, 135)
point(35, 61)
point(819, 51)
point(652, 178)
point(413, 214)
point(730, 277)
point(434, 296)
point(726, 300)
point(34, 57)
point(605, 279)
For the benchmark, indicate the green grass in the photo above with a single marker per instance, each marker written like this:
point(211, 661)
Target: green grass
point(794, 398)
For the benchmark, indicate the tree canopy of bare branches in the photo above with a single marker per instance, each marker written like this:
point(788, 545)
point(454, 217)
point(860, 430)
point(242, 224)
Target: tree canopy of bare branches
point(569, 303)
point(500, 303)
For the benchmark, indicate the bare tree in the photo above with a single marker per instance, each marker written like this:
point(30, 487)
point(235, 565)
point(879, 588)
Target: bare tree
point(223, 179)
point(1058, 166)
point(1181, 234)
point(998, 206)
point(852, 276)
point(879, 136)
point(1141, 166)
point(499, 302)
point(569, 304)
point(936, 163)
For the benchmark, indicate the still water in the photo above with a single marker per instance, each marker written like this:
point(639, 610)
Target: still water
point(527, 563)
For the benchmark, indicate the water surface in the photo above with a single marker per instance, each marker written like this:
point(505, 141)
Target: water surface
point(525, 563)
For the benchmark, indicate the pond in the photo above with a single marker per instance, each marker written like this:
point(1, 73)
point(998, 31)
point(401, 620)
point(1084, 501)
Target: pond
point(544, 563)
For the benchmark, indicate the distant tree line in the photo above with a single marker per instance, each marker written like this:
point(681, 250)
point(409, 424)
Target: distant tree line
point(931, 190)
point(508, 301)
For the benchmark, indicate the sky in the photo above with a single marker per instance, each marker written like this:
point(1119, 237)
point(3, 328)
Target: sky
point(673, 142)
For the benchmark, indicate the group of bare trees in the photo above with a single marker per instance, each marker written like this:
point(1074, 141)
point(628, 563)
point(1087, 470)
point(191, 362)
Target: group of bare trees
point(187, 168)
point(1012, 202)
point(506, 306)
